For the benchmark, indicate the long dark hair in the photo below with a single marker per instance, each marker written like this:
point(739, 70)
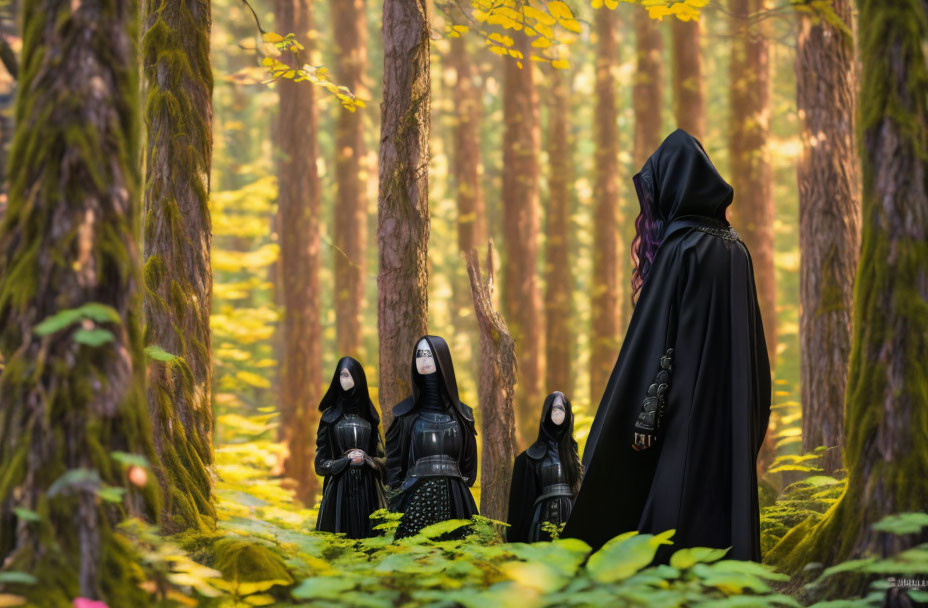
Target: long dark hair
point(648, 227)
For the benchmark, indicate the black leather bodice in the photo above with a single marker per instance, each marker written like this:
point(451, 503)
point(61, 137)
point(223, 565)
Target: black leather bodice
point(551, 475)
point(352, 432)
point(437, 439)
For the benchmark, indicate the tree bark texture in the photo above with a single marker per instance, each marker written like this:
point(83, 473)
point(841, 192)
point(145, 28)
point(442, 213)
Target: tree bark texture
point(73, 388)
point(829, 225)
point(749, 98)
point(178, 235)
point(521, 292)
point(559, 338)
point(496, 390)
point(298, 227)
point(886, 407)
point(403, 209)
point(604, 302)
point(349, 23)
point(689, 96)
point(648, 90)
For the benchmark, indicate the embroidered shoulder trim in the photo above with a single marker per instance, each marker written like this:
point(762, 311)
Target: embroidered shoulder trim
point(728, 234)
point(651, 416)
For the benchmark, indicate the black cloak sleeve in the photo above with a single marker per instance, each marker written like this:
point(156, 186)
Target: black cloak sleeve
point(468, 462)
point(397, 449)
point(522, 494)
point(325, 462)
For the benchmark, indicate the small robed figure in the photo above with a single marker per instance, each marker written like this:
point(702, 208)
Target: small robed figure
point(349, 454)
point(675, 440)
point(431, 445)
point(546, 476)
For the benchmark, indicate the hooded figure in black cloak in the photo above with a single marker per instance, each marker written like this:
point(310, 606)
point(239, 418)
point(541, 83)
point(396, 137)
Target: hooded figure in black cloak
point(675, 440)
point(431, 446)
point(546, 476)
point(349, 454)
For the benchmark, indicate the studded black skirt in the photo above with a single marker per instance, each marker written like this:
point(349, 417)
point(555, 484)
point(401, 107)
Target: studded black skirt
point(432, 500)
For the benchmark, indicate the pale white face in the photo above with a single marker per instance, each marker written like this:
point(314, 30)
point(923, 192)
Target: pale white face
point(346, 380)
point(425, 363)
point(558, 413)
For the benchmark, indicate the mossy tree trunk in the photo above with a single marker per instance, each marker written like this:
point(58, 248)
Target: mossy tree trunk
point(73, 391)
point(559, 337)
point(521, 292)
point(298, 227)
point(9, 13)
point(349, 24)
point(689, 95)
point(178, 278)
point(829, 224)
point(886, 412)
point(403, 204)
point(605, 303)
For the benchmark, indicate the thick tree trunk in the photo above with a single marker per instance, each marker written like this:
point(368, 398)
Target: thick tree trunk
point(689, 96)
point(648, 90)
point(749, 98)
point(73, 388)
point(605, 305)
point(9, 14)
point(178, 278)
point(497, 379)
point(829, 225)
point(298, 226)
point(521, 293)
point(886, 408)
point(403, 206)
point(349, 22)
point(559, 337)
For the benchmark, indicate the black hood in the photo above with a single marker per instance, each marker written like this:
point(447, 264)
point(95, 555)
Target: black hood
point(358, 396)
point(444, 368)
point(563, 435)
point(678, 180)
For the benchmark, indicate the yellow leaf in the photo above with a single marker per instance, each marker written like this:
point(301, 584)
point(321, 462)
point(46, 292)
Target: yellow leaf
point(8, 599)
point(538, 15)
point(498, 50)
point(516, 54)
point(612, 4)
point(559, 10)
point(597, 3)
point(560, 64)
point(541, 43)
point(272, 37)
point(461, 29)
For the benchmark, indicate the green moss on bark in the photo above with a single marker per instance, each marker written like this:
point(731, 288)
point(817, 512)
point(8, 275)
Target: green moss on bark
point(178, 280)
point(69, 238)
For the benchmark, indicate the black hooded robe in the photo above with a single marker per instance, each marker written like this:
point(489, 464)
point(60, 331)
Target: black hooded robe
point(699, 299)
point(531, 501)
point(415, 497)
point(350, 493)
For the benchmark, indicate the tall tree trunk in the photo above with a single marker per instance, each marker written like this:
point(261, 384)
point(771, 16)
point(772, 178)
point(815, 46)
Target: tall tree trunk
point(298, 226)
point(559, 337)
point(648, 91)
point(73, 387)
point(886, 406)
point(497, 379)
point(829, 225)
point(9, 14)
point(178, 278)
point(468, 172)
point(605, 305)
point(749, 98)
point(403, 203)
point(689, 96)
point(349, 22)
point(521, 294)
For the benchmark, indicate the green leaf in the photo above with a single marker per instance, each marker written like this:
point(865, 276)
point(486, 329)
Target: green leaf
point(93, 337)
point(130, 460)
point(17, 577)
point(687, 557)
point(159, 354)
point(902, 523)
point(322, 588)
point(26, 514)
point(111, 493)
point(87, 478)
point(625, 554)
point(443, 527)
point(100, 313)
